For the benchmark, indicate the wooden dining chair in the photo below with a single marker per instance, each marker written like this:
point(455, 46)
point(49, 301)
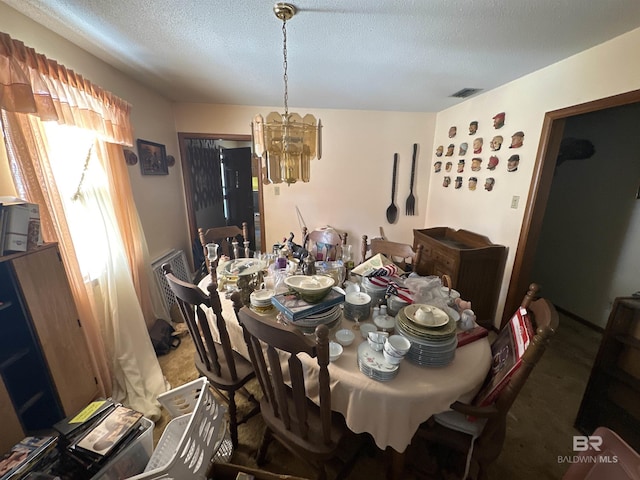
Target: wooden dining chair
point(402, 254)
point(479, 431)
point(324, 244)
point(233, 241)
point(226, 370)
point(312, 432)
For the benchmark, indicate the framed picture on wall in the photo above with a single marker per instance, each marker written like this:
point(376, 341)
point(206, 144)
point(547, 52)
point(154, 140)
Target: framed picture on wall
point(153, 158)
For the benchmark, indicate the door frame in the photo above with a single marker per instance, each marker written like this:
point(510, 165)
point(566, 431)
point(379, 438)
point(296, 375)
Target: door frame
point(186, 179)
point(541, 182)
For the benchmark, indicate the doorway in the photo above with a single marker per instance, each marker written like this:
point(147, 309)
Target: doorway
point(222, 185)
point(546, 162)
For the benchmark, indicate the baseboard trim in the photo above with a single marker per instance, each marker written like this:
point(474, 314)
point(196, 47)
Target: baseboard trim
point(579, 319)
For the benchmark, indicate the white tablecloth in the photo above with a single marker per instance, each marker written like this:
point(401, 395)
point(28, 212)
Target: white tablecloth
point(390, 411)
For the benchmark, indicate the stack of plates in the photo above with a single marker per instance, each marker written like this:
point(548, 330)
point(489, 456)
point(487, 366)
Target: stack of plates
point(330, 317)
point(373, 364)
point(433, 346)
point(376, 292)
point(261, 301)
point(357, 305)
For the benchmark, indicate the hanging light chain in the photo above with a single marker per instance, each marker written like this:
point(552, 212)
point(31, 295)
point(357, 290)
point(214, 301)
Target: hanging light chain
point(284, 64)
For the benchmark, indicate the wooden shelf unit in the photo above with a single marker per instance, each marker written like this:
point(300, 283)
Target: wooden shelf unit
point(46, 370)
point(612, 396)
point(474, 264)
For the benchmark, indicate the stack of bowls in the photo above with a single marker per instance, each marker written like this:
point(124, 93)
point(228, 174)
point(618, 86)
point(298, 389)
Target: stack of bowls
point(395, 348)
point(261, 301)
point(357, 306)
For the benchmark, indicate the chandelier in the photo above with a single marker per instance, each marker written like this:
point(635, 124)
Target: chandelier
point(286, 142)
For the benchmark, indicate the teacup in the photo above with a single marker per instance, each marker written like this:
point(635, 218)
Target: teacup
point(392, 359)
point(377, 340)
point(397, 345)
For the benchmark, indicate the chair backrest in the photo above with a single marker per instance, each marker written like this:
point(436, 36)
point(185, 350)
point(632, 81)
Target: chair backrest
point(625, 467)
point(233, 241)
point(324, 244)
point(216, 357)
point(544, 321)
point(401, 254)
point(287, 395)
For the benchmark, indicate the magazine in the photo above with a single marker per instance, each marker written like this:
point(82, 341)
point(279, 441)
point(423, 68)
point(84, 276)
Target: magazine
point(295, 308)
point(507, 351)
point(24, 456)
point(101, 440)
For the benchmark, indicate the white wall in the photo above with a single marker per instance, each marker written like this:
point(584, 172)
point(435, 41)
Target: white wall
point(350, 187)
point(159, 199)
point(608, 69)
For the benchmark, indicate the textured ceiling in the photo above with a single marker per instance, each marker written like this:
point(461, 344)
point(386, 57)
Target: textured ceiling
point(397, 55)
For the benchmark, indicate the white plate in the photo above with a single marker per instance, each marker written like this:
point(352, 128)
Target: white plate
point(243, 266)
point(371, 360)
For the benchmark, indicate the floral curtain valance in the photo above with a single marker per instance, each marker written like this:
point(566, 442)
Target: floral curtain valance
point(32, 83)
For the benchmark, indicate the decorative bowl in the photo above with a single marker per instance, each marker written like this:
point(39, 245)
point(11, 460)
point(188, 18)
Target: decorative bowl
point(335, 350)
point(345, 337)
point(312, 288)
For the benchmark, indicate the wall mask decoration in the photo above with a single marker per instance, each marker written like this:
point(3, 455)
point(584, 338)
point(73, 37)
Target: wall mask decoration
point(473, 127)
point(517, 139)
point(512, 163)
point(476, 164)
point(458, 182)
point(437, 166)
point(453, 131)
point(171, 160)
point(460, 166)
point(450, 150)
point(498, 120)
point(130, 157)
point(489, 183)
point(463, 149)
point(493, 162)
point(496, 143)
point(446, 181)
point(477, 145)
point(473, 182)
point(448, 166)
point(439, 151)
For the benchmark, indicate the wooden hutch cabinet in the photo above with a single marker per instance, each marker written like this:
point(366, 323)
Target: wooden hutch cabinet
point(45, 367)
point(612, 396)
point(474, 264)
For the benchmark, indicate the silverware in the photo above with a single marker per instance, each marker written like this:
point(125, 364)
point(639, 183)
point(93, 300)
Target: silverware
point(411, 200)
point(392, 210)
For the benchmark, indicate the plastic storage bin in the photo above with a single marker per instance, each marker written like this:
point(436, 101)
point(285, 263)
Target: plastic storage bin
point(133, 459)
point(190, 440)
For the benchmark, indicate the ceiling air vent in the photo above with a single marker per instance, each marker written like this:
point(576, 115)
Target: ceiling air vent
point(466, 92)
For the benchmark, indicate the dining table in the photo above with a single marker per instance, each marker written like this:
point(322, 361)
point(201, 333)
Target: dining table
point(389, 411)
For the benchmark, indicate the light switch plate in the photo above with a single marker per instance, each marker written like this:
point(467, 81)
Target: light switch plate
point(514, 201)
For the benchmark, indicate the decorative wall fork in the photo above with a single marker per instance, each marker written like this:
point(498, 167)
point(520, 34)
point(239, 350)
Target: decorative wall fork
point(411, 200)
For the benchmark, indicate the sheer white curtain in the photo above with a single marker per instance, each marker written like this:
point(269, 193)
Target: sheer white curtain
point(83, 185)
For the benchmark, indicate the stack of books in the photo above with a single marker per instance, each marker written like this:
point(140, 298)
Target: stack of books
point(31, 455)
point(88, 440)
